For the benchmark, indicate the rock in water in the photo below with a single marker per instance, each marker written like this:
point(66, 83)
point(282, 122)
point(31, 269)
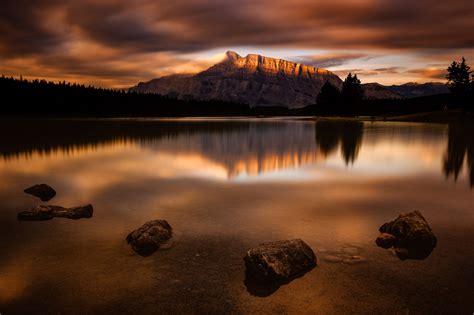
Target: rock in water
point(412, 236)
point(75, 212)
point(38, 213)
point(150, 237)
point(278, 262)
point(42, 191)
point(47, 212)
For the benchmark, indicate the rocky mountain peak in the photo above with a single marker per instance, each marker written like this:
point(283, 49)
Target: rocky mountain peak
point(254, 79)
point(232, 55)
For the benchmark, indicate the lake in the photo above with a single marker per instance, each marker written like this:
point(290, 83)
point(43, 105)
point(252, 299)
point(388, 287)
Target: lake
point(226, 186)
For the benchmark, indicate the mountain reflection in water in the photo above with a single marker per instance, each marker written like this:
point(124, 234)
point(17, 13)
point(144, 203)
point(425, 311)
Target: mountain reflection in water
point(244, 147)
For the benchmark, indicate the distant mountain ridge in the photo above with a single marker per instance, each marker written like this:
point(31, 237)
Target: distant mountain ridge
point(254, 80)
point(407, 90)
point(411, 89)
point(379, 91)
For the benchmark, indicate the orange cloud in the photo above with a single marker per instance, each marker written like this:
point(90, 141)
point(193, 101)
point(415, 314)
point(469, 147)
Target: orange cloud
point(116, 43)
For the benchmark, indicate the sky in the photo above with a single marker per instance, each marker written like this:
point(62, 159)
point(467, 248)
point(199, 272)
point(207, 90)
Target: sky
point(117, 43)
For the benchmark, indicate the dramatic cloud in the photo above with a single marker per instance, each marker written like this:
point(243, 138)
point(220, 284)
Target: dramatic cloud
point(370, 72)
point(329, 60)
point(433, 73)
point(108, 41)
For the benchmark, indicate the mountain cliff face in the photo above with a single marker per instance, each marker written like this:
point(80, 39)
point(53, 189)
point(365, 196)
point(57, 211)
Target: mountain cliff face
point(254, 80)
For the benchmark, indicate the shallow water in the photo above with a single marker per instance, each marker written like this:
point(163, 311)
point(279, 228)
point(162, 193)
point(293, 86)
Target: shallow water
point(225, 186)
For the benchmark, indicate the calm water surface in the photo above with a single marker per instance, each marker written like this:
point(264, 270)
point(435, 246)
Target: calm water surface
point(225, 186)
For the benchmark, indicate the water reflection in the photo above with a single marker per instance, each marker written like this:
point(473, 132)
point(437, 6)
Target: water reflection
point(242, 148)
point(329, 134)
point(460, 149)
point(226, 186)
point(239, 146)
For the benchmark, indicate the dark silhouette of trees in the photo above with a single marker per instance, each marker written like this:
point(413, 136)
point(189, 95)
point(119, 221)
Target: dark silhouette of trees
point(331, 101)
point(352, 94)
point(328, 100)
point(460, 149)
point(347, 134)
point(351, 140)
point(461, 83)
point(327, 136)
point(39, 98)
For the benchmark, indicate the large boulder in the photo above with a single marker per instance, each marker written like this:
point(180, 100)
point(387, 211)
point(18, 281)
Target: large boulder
point(276, 263)
point(47, 212)
point(150, 237)
point(409, 234)
point(42, 191)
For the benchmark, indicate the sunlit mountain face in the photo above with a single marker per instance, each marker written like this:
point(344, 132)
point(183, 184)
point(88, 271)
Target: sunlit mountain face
point(254, 79)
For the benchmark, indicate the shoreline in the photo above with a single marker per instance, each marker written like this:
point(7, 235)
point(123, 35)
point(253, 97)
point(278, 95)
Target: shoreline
point(438, 117)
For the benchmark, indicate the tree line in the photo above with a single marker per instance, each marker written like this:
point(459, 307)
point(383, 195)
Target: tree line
point(350, 101)
point(41, 98)
point(49, 99)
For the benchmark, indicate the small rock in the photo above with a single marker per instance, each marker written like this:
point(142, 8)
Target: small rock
point(42, 191)
point(280, 261)
point(47, 212)
point(333, 259)
point(150, 237)
point(270, 265)
point(386, 240)
point(413, 237)
point(354, 260)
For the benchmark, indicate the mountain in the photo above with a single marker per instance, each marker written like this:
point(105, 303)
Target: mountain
point(410, 90)
point(379, 91)
point(254, 80)
point(407, 90)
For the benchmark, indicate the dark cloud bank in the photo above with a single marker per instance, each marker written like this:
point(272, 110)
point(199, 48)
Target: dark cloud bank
point(110, 38)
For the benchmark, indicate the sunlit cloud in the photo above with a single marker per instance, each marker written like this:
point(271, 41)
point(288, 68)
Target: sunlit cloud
point(117, 43)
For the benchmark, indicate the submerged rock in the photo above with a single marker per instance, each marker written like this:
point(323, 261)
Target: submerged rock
point(150, 237)
point(47, 212)
point(42, 191)
point(350, 251)
point(333, 258)
point(409, 234)
point(355, 260)
point(270, 265)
